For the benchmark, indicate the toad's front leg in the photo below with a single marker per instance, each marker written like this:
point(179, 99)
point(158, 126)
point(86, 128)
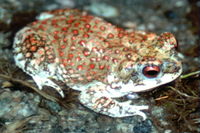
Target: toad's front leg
point(99, 100)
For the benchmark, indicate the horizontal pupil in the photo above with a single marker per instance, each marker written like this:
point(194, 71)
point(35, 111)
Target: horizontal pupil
point(152, 73)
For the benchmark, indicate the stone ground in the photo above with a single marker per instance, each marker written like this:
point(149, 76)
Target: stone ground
point(172, 110)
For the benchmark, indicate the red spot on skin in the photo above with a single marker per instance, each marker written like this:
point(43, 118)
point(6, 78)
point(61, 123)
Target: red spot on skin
point(101, 67)
point(77, 24)
point(114, 60)
point(61, 53)
point(94, 49)
point(75, 32)
point(63, 46)
point(64, 29)
point(78, 58)
point(54, 22)
point(86, 52)
point(64, 60)
point(80, 67)
point(120, 35)
point(81, 29)
point(90, 31)
point(41, 27)
point(92, 66)
point(110, 35)
point(64, 63)
point(72, 47)
point(103, 28)
point(94, 27)
point(73, 38)
point(98, 59)
point(71, 64)
point(70, 21)
point(144, 38)
point(56, 37)
point(87, 26)
point(55, 32)
point(65, 40)
point(33, 40)
point(44, 22)
point(86, 36)
point(70, 56)
point(33, 48)
point(82, 42)
point(92, 59)
point(71, 16)
point(97, 21)
point(53, 41)
point(105, 58)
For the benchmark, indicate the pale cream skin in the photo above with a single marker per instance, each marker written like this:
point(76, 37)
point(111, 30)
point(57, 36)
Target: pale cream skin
point(98, 59)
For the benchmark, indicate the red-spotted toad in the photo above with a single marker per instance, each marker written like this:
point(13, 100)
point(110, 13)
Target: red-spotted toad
point(102, 61)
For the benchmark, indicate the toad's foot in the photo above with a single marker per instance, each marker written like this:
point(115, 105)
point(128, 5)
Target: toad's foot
point(99, 100)
point(41, 81)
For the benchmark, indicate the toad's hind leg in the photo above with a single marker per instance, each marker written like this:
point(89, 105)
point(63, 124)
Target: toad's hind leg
point(36, 62)
point(98, 99)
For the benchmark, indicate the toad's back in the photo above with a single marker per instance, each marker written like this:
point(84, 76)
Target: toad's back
point(83, 46)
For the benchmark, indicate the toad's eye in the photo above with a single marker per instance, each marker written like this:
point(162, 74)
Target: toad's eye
point(151, 71)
